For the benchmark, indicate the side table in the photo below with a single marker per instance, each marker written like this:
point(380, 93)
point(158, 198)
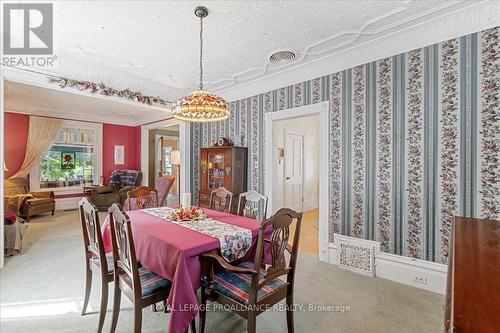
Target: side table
point(13, 234)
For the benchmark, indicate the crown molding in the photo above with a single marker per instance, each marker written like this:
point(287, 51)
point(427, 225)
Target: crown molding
point(370, 43)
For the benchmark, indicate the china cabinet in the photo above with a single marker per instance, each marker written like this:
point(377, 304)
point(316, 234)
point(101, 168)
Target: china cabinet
point(222, 166)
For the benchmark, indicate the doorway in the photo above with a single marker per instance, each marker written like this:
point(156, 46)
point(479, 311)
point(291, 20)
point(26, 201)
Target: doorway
point(297, 174)
point(296, 170)
point(164, 152)
point(164, 158)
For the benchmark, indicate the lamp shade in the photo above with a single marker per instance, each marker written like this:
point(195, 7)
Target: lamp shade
point(200, 106)
point(5, 166)
point(175, 157)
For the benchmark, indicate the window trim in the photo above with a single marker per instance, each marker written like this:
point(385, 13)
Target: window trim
point(97, 128)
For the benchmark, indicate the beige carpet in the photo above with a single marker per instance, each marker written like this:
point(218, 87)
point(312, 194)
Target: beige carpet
point(42, 289)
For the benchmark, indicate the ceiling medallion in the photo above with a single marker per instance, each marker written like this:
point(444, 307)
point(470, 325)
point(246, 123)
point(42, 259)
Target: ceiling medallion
point(200, 105)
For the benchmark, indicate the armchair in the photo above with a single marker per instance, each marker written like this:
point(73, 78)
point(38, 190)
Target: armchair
point(121, 182)
point(26, 204)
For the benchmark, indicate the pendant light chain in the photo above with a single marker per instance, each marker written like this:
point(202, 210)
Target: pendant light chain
point(200, 106)
point(201, 53)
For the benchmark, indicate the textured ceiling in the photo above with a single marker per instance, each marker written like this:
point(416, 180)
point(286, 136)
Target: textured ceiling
point(153, 45)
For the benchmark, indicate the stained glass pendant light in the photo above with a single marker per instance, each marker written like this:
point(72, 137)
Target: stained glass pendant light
point(200, 105)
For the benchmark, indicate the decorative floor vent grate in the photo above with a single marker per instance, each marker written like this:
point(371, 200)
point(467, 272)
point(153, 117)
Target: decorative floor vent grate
point(356, 255)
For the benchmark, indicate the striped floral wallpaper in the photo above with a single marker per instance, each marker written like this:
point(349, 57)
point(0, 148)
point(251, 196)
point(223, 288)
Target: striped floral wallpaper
point(414, 140)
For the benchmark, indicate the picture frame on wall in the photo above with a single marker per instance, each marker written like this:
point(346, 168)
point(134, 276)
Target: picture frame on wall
point(119, 155)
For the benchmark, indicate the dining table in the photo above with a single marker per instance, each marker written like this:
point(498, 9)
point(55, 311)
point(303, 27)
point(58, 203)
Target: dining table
point(172, 250)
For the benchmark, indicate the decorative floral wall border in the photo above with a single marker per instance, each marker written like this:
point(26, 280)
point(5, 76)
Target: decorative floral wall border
point(101, 88)
point(316, 91)
point(359, 156)
point(415, 153)
point(335, 118)
point(384, 160)
point(449, 141)
point(254, 137)
point(490, 124)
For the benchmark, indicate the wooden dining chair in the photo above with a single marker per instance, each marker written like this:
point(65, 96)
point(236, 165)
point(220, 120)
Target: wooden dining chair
point(96, 260)
point(221, 200)
point(142, 287)
point(141, 197)
point(249, 287)
point(252, 205)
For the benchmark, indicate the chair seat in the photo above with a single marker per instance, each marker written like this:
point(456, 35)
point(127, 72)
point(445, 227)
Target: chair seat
point(150, 282)
point(40, 201)
point(109, 261)
point(236, 285)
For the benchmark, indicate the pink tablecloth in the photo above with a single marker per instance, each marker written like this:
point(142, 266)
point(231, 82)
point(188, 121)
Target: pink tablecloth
point(172, 251)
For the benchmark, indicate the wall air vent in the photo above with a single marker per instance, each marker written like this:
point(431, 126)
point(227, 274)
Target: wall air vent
point(356, 255)
point(282, 57)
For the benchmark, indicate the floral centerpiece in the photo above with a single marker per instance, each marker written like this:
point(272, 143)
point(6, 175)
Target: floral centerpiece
point(188, 214)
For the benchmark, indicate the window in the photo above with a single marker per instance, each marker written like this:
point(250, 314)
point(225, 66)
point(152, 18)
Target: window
point(67, 165)
point(73, 160)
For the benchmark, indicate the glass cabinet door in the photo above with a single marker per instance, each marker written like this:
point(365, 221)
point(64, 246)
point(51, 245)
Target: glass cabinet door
point(215, 170)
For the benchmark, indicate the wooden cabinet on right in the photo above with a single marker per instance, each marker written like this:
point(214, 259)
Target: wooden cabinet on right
point(222, 167)
point(473, 288)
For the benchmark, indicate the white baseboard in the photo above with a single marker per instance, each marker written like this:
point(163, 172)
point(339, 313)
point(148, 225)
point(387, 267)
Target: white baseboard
point(333, 252)
point(310, 204)
point(67, 203)
point(422, 274)
point(324, 250)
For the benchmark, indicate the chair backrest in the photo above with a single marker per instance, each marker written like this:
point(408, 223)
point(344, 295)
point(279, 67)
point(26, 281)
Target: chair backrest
point(164, 185)
point(252, 206)
point(122, 178)
point(141, 197)
point(221, 200)
point(122, 241)
point(14, 186)
point(280, 224)
point(92, 238)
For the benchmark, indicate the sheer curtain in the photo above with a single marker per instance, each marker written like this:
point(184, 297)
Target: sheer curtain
point(41, 134)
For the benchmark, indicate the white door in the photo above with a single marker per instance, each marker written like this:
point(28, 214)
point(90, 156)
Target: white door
point(294, 153)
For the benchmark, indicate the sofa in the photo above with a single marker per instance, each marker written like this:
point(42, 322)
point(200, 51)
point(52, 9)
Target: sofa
point(120, 183)
point(26, 204)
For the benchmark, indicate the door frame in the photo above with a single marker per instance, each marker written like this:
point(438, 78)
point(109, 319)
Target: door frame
point(298, 133)
point(270, 161)
point(184, 146)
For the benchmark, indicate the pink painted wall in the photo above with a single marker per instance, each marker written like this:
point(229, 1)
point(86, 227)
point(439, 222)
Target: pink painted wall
point(130, 137)
point(15, 137)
